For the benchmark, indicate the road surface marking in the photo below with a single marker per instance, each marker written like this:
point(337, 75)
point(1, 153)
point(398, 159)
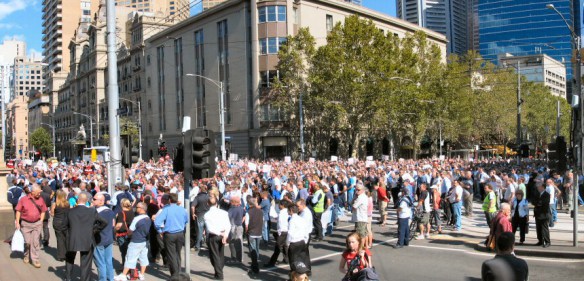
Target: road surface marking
point(492, 254)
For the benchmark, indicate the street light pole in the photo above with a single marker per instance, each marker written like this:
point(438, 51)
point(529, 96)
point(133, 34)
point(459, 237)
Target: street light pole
point(519, 141)
point(301, 117)
point(54, 140)
point(219, 84)
point(578, 127)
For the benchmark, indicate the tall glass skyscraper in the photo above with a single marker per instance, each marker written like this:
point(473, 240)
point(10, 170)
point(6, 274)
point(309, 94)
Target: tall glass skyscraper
point(525, 27)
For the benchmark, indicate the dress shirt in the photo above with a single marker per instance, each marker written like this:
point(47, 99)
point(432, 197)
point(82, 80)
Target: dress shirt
point(446, 184)
point(217, 221)
point(552, 191)
point(172, 219)
point(523, 208)
point(307, 216)
point(283, 221)
point(360, 209)
point(297, 231)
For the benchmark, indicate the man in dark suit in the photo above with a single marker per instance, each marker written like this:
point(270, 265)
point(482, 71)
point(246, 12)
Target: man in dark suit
point(505, 266)
point(542, 215)
point(82, 222)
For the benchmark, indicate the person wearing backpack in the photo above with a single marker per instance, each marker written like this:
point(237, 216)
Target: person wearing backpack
point(404, 213)
point(14, 194)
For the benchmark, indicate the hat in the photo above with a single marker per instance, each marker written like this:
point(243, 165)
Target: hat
point(360, 186)
point(434, 187)
point(300, 267)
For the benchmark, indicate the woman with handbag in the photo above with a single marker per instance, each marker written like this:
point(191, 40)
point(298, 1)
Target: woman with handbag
point(123, 220)
point(520, 215)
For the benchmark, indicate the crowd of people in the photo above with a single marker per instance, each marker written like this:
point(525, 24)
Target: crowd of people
point(289, 205)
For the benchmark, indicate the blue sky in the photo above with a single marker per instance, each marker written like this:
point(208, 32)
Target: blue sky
point(22, 19)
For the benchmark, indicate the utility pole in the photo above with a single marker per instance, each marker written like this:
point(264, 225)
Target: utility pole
point(519, 142)
point(115, 173)
point(558, 121)
point(222, 121)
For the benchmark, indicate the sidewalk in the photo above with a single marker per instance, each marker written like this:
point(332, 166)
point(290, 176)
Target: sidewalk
point(561, 235)
point(475, 231)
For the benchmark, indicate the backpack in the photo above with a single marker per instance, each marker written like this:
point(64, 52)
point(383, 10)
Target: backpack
point(14, 194)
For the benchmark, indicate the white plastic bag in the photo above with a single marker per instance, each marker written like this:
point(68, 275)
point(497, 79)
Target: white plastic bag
point(17, 244)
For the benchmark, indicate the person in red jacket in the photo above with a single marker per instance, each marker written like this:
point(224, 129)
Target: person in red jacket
point(502, 222)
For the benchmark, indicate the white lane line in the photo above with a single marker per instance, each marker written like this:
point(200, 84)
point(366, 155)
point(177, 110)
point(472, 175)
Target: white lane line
point(326, 256)
point(492, 255)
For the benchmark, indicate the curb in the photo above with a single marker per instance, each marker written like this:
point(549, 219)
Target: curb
point(537, 253)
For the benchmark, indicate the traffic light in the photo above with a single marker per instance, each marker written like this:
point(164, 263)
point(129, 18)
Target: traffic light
point(199, 154)
point(552, 155)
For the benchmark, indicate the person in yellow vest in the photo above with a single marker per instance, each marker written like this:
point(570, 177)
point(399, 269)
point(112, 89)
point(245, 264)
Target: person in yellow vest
point(318, 202)
point(489, 204)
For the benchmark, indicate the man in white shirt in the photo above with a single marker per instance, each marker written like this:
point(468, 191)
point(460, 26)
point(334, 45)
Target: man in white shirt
point(404, 213)
point(218, 228)
point(550, 188)
point(456, 203)
point(306, 216)
point(282, 235)
point(359, 215)
point(296, 239)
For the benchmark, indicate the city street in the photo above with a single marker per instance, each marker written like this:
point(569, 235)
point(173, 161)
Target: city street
point(443, 257)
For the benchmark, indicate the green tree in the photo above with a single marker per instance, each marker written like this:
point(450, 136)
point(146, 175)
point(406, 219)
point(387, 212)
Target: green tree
point(41, 140)
point(342, 77)
point(295, 58)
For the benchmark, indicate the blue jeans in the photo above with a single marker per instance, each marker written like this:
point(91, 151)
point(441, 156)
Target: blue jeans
point(331, 224)
point(266, 231)
point(254, 252)
point(403, 230)
point(580, 201)
point(456, 211)
point(102, 256)
point(200, 229)
point(554, 212)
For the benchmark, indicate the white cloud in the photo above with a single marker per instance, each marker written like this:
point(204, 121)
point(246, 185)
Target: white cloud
point(9, 26)
point(18, 37)
point(10, 6)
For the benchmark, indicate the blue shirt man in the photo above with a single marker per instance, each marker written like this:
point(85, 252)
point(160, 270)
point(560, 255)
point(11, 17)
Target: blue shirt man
point(171, 222)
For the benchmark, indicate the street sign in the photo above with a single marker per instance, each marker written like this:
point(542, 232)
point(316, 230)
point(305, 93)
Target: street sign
point(122, 111)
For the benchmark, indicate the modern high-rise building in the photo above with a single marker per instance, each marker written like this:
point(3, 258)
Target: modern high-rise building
point(9, 49)
point(27, 76)
point(207, 4)
point(167, 7)
point(526, 27)
point(448, 17)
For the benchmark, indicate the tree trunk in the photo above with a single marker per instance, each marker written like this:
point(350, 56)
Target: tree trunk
point(355, 143)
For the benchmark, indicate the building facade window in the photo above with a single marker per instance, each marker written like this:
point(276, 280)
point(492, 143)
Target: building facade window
point(271, 45)
point(178, 81)
point(329, 23)
point(223, 52)
point(272, 14)
point(161, 94)
point(200, 85)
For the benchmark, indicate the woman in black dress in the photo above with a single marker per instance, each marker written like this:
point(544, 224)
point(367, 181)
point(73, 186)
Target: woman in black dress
point(59, 211)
